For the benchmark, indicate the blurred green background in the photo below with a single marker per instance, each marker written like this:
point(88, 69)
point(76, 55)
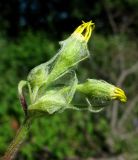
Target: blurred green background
point(29, 35)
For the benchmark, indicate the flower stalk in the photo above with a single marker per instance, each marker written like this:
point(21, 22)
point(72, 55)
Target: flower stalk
point(17, 141)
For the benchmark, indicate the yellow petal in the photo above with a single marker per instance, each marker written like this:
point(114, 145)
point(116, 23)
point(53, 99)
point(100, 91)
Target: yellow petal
point(84, 31)
point(119, 94)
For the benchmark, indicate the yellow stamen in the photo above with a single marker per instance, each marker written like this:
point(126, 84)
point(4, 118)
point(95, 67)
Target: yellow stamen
point(84, 30)
point(119, 94)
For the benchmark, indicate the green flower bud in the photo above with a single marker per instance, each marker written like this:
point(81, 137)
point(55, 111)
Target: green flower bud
point(101, 90)
point(73, 50)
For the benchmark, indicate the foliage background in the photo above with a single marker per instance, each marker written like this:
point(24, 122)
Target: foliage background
point(29, 35)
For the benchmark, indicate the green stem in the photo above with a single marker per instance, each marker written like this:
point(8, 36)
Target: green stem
point(17, 141)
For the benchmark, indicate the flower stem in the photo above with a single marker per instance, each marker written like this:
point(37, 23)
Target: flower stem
point(17, 141)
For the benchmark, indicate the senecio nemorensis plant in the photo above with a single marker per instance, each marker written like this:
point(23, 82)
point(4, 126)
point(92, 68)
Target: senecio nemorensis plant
point(50, 87)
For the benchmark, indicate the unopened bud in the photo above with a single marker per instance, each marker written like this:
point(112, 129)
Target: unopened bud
point(74, 49)
point(101, 90)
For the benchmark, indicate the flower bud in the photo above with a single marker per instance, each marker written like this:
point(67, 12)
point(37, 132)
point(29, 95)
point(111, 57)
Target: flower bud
point(73, 50)
point(101, 90)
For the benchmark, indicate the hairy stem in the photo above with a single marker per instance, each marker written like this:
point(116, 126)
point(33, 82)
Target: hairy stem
point(17, 141)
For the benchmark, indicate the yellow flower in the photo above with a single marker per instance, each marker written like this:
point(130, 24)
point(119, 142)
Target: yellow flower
point(119, 94)
point(84, 31)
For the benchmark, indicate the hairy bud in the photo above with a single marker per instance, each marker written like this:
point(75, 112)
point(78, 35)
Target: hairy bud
point(101, 90)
